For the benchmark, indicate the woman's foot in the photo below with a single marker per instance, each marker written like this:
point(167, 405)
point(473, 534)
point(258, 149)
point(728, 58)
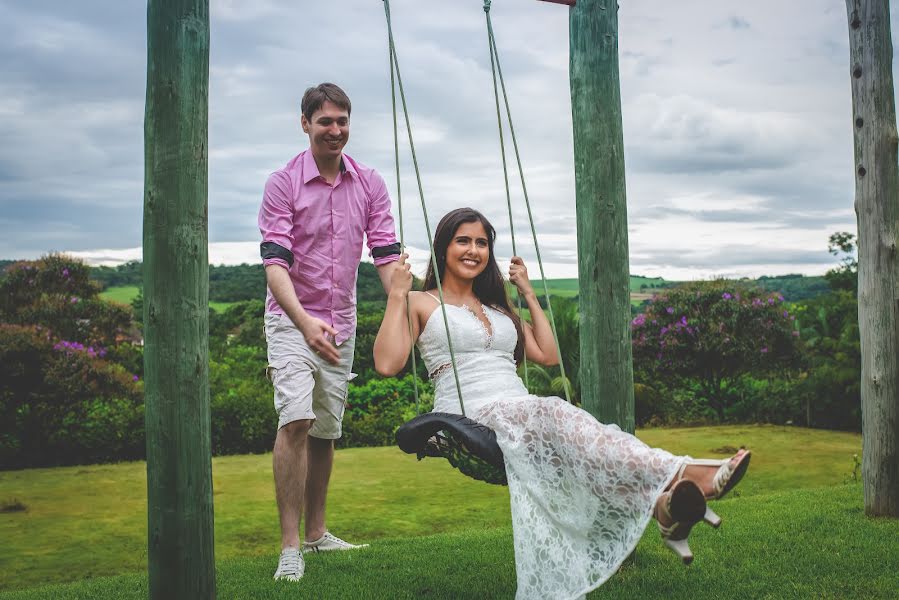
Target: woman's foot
point(677, 510)
point(716, 477)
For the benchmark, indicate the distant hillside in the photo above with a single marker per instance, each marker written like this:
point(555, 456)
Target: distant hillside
point(247, 282)
point(795, 287)
point(226, 283)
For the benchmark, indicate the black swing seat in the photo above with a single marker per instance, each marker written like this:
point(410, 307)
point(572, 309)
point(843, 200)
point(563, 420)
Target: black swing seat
point(469, 446)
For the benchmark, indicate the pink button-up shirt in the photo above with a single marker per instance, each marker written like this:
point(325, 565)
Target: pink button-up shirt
point(321, 225)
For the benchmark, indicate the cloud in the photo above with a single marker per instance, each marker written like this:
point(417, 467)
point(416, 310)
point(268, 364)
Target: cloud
point(737, 121)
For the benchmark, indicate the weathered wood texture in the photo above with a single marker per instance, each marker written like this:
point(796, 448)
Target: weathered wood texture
point(606, 365)
point(877, 209)
point(176, 302)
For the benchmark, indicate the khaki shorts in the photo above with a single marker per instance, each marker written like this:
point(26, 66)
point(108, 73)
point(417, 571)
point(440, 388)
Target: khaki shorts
point(306, 385)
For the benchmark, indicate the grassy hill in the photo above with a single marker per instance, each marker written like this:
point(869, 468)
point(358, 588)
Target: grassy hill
point(98, 513)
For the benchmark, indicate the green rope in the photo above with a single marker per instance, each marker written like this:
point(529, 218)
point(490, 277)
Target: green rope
point(502, 151)
point(399, 81)
point(399, 199)
point(494, 54)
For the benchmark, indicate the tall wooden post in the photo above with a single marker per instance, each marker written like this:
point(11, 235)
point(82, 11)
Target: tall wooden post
point(877, 209)
point(176, 302)
point(606, 365)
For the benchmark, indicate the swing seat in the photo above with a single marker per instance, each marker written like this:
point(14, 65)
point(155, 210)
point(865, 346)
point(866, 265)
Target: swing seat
point(469, 446)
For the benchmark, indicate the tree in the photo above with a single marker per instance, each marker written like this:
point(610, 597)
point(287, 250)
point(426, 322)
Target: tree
point(56, 292)
point(845, 277)
point(713, 333)
point(877, 209)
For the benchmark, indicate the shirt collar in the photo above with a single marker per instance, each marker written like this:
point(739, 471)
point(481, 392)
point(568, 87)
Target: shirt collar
point(310, 169)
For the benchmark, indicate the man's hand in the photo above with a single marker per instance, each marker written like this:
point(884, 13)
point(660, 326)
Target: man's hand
point(518, 276)
point(316, 333)
point(401, 278)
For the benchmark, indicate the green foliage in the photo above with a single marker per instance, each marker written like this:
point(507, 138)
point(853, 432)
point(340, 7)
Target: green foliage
point(376, 409)
point(713, 333)
point(56, 292)
point(548, 381)
point(128, 274)
point(236, 283)
point(830, 391)
point(845, 277)
point(64, 403)
point(794, 287)
point(243, 414)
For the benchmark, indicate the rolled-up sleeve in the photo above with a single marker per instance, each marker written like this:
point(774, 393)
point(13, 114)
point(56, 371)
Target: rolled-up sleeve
point(380, 232)
point(276, 221)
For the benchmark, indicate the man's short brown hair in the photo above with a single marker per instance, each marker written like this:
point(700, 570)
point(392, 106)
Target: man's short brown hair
point(315, 97)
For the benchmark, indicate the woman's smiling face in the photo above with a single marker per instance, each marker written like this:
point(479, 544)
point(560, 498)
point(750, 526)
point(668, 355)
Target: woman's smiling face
point(468, 252)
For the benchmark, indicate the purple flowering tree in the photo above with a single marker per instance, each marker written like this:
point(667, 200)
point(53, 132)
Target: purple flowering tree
point(57, 293)
point(708, 334)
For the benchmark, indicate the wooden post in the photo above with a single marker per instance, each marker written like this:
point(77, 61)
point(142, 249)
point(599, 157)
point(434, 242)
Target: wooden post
point(606, 365)
point(176, 302)
point(877, 209)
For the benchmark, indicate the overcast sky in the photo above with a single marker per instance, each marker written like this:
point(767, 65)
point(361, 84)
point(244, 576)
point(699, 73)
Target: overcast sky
point(737, 123)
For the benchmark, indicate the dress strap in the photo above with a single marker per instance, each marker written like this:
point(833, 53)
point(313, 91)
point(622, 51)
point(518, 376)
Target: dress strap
point(433, 296)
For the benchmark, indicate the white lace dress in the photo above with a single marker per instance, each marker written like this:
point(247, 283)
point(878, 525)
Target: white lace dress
point(582, 492)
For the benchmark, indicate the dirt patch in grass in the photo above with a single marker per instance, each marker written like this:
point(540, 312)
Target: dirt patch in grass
point(11, 506)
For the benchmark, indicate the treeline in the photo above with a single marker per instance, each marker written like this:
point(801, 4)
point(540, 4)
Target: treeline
point(230, 283)
point(71, 367)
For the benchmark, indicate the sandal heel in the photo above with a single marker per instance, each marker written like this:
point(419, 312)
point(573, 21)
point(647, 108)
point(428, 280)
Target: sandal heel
point(711, 518)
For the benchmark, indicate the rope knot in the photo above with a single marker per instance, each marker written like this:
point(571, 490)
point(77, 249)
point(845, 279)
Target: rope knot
point(486, 6)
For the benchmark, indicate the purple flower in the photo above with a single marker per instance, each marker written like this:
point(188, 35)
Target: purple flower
point(771, 301)
point(663, 331)
point(756, 302)
point(726, 296)
point(765, 350)
point(134, 378)
point(786, 314)
point(795, 334)
point(74, 300)
point(683, 320)
point(669, 310)
point(65, 273)
point(638, 320)
point(779, 297)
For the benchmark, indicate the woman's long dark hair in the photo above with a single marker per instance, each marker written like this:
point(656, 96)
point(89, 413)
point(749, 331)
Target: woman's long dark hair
point(489, 286)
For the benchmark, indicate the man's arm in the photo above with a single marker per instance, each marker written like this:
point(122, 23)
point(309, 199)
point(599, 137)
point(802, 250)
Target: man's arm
point(385, 272)
point(381, 234)
point(313, 329)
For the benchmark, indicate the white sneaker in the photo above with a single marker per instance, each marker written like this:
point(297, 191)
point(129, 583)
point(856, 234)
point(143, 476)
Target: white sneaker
point(328, 543)
point(291, 565)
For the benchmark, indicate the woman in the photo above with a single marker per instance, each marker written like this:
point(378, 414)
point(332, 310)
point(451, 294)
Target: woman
point(582, 492)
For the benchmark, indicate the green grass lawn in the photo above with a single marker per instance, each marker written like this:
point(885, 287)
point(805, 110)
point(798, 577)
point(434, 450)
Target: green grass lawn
point(120, 294)
point(126, 293)
point(800, 544)
point(92, 520)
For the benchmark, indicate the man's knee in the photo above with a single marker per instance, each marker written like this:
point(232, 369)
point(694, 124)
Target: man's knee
point(296, 431)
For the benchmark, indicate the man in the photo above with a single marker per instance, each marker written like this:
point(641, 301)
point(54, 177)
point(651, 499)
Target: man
point(314, 213)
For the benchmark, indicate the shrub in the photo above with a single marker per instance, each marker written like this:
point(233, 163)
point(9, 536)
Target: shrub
point(713, 333)
point(376, 409)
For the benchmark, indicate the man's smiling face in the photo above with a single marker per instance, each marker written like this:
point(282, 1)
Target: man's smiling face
point(328, 129)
